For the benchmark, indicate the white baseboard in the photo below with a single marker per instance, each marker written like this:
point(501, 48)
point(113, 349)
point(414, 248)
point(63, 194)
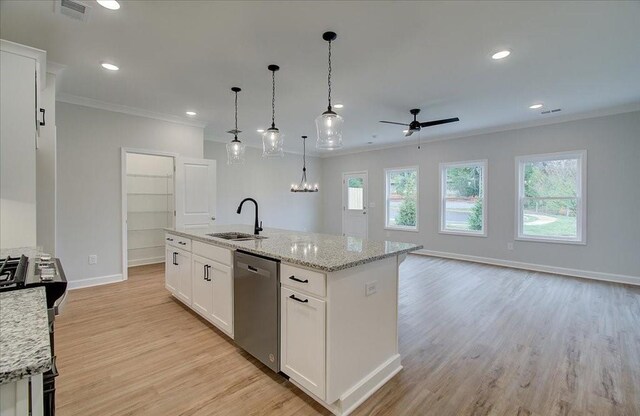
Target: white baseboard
point(144, 262)
point(364, 389)
point(586, 274)
point(94, 281)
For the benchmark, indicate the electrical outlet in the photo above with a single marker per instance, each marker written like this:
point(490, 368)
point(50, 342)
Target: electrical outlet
point(370, 288)
point(93, 259)
point(509, 246)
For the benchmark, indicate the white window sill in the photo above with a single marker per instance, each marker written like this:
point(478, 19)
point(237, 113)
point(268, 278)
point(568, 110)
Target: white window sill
point(463, 233)
point(550, 240)
point(412, 230)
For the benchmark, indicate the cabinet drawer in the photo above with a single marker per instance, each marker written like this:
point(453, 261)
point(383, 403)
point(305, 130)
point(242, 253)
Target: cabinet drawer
point(303, 279)
point(302, 343)
point(209, 251)
point(176, 241)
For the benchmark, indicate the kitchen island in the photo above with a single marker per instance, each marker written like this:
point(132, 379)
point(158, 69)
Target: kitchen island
point(338, 303)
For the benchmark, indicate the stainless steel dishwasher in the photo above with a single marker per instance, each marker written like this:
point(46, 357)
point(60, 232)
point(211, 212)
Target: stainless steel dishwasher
point(256, 285)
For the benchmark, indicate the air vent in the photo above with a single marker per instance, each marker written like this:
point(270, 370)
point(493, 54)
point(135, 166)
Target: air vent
point(73, 8)
point(551, 111)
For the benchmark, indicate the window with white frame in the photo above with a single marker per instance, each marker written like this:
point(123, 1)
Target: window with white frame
point(462, 194)
point(402, 198)
point(551, 197)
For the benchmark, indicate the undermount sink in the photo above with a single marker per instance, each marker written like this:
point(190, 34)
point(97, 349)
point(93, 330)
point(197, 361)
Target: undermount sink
point(234, 236)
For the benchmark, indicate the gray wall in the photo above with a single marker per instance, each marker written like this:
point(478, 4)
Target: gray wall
point(613, 192)
point(89, 180)
point(268, 181)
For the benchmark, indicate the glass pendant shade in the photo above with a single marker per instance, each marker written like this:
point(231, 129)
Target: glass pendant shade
point(272, 143)
point(329, 127)
point(235, 152)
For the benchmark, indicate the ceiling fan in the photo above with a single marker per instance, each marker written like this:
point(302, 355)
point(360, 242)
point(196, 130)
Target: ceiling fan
point(415, 125)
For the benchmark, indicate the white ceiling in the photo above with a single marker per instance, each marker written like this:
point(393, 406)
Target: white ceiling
point(389, 57)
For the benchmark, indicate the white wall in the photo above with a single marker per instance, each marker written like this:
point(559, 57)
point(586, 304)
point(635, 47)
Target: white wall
point(613, 192)
point(268, 181)
point(89, 181)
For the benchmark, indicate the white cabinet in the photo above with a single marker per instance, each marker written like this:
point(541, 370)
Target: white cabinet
point(213, 292)
point(222, 312)
point(206, 285)
point(302, 344)
point(184, 280)
point(170, 270)
point(20, 68)
point(177, 274)
point(202, 285)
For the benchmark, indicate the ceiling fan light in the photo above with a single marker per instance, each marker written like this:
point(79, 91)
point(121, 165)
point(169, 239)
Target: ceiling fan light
point(329, 129)
point(272, 142)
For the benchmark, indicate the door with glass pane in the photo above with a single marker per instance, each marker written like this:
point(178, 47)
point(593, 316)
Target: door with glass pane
point(354, 200)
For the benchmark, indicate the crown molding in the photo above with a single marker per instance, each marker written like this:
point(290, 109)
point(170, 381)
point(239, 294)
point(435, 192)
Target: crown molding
point(133, 111)
point(627, 108)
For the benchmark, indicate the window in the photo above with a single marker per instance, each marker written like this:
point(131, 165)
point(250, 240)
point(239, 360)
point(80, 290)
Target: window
point(355, 193)
point(462, 192)
point(551, 191)
point(402, 198)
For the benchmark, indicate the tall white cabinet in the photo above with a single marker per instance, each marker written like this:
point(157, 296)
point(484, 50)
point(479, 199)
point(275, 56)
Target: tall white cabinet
point(22, 74)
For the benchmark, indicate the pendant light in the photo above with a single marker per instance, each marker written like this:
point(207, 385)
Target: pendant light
point(329, 124)
point(235, 149)
point(272, 139)
point(304, 186)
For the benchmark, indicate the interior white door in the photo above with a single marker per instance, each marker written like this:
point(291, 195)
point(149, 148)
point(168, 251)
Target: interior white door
point(355, 221)
point(195, 192)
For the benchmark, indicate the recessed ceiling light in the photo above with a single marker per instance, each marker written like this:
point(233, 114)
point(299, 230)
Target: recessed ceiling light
point(405, 131)
point(260, 130)
point(535, 106)
point(338, 106)
point(501, 54)
point(110, 67)
point(191, 113)
point(109, 4)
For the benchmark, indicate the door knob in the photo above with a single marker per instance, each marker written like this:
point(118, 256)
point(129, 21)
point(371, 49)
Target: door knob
point(213, 218)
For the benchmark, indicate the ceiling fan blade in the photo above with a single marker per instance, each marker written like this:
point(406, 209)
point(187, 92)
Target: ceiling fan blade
point(409, 133)
point(438, 122)
point(393, 122)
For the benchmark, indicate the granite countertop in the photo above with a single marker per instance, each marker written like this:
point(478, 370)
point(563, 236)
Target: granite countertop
point(24, 334)
point(324, 252)
point(17, 251)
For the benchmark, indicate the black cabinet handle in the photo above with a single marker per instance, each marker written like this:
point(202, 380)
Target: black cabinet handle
point(169, 239)
point(175, 259)
point(42, 123)
point(298, 299)
point(206, 273)
point(182, 242)
point(298, 280)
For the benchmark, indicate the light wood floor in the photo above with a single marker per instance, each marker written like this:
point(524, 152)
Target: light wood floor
point(475, 340)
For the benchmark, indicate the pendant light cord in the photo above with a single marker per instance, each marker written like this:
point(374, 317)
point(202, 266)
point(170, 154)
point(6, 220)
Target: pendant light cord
point(235, 135)
point(329, 76)
point(273, 99)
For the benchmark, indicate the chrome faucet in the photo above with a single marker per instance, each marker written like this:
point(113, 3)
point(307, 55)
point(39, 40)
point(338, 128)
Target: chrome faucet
point(256, 228)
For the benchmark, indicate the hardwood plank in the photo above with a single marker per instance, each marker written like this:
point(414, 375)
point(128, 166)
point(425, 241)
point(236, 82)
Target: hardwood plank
point(475, 340)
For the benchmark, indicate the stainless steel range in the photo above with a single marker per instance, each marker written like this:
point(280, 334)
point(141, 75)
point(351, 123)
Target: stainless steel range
point(23, 272)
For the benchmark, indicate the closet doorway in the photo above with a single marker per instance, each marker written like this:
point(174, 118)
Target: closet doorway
point(148, 205)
